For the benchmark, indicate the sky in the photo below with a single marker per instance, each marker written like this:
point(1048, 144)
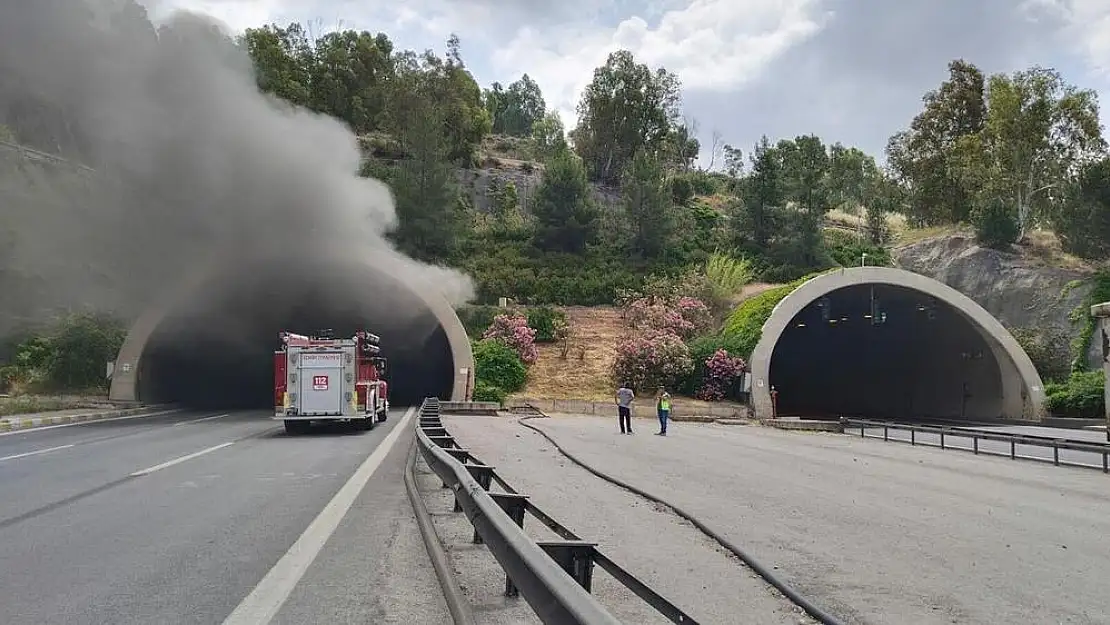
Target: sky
point(852, 71)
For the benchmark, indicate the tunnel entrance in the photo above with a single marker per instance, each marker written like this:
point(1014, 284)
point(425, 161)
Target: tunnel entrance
point(887, 352)
point(215, 351)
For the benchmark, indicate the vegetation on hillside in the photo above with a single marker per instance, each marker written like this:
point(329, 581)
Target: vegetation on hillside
point(621, 202)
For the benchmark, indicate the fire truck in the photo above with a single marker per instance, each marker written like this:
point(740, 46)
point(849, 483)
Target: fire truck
point(321, 378)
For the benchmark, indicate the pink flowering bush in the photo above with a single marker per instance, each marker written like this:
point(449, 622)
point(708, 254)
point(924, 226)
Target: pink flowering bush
point(695, 312)
point(513, 330)
point(647, 362)
point(684, 317)
point(721, 372)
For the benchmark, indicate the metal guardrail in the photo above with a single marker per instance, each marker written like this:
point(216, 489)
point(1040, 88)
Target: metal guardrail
point(555, 577)
point(1011, 442)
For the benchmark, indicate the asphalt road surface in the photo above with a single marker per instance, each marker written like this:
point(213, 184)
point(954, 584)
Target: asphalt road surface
point(875, 532)
point(210, 518)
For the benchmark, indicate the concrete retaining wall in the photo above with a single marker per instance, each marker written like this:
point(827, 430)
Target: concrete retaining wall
point(681, 409)
point(1102, 337)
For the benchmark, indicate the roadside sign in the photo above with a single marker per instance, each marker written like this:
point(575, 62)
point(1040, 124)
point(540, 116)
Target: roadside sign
point(319, 382)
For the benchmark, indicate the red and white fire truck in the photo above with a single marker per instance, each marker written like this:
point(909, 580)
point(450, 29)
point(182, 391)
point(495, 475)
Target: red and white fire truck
point(321, 378)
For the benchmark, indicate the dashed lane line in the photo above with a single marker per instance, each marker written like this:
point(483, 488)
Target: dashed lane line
point(35, 453)
point(170, 463)
point(187, 422)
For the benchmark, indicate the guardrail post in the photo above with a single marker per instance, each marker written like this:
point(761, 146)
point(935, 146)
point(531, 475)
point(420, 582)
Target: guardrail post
point(576, 557)
point(1013, 449)
point(1056, 454)
point(942, 439)
point(446, 442)
point(483, 474)
point(886, 432)
point(975, 444)
point(458, 453)
point(913, 436)
point(513, 504)
point(435, 431)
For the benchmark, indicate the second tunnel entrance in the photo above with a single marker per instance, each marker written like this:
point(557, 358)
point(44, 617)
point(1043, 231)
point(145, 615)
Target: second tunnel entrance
point(883, 351)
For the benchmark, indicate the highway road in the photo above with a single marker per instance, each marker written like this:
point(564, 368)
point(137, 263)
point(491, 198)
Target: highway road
point(210, 518)
point(874, 532)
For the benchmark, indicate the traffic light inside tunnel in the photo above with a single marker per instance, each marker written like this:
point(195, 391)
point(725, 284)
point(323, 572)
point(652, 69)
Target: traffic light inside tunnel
point(216, 349)
point(884, 351)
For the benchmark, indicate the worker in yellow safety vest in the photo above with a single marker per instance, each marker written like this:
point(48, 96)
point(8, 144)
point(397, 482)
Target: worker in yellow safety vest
point(663, 407)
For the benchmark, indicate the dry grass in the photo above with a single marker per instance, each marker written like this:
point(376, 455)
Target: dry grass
point(31, 404)
point(1042, 247)
point(584, 372)
point(916, 235)
point(839, 218)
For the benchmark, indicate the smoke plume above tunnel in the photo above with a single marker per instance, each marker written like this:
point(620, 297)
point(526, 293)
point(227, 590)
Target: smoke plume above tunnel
point(192, 164)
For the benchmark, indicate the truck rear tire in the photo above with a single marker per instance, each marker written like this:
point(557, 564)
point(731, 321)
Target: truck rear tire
point(366, 424)
point(293, 426)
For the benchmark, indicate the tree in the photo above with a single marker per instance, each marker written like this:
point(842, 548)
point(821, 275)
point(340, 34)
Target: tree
point(548, 136)
point(762, 192)
point(516, 110)
point(734, 161)
point(923, 157)
point(450, 85)
point(1083, 220)
point(647, 205)
point(1040, 132)
point(682, 147)
point(626, 108)
point(563, 207)
point(805, 167)
point(423, 184)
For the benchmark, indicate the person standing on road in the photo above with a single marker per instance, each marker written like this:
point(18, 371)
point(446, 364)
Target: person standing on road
point(625, 396)
point(663, 408)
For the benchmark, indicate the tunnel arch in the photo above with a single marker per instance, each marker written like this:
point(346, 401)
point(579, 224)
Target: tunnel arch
point(1020, 391)
point(127, 383)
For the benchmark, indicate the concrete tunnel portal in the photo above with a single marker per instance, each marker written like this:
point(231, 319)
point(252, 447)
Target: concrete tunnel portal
point(210, 344)
point(882, 343)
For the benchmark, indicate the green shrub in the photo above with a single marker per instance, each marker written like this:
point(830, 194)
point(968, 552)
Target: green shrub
point(483, 391)
point(69, 357)
point(701, 348)
point(744, 326)
point(549, 323)
point(847, 250)
point(995, 225)
point(1081, 397)
point(499, 366)
point(682, 190)
point(476, 319)
point(1048, 349)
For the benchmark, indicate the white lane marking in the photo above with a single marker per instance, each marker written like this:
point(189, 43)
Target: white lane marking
point(35, 453)
point(68, 425)
point(270, 594)
point(170, 463)
point(219, 416)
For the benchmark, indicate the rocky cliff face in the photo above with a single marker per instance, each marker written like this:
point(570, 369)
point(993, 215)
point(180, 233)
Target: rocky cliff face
point(526, 176)
point(1021, 292)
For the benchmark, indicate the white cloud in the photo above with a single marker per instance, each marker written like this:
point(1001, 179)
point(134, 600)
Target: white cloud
point(717, 45)
point(1086, 26)
point(236, 14)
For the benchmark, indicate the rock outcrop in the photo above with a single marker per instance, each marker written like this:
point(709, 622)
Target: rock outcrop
point(1019, 291)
